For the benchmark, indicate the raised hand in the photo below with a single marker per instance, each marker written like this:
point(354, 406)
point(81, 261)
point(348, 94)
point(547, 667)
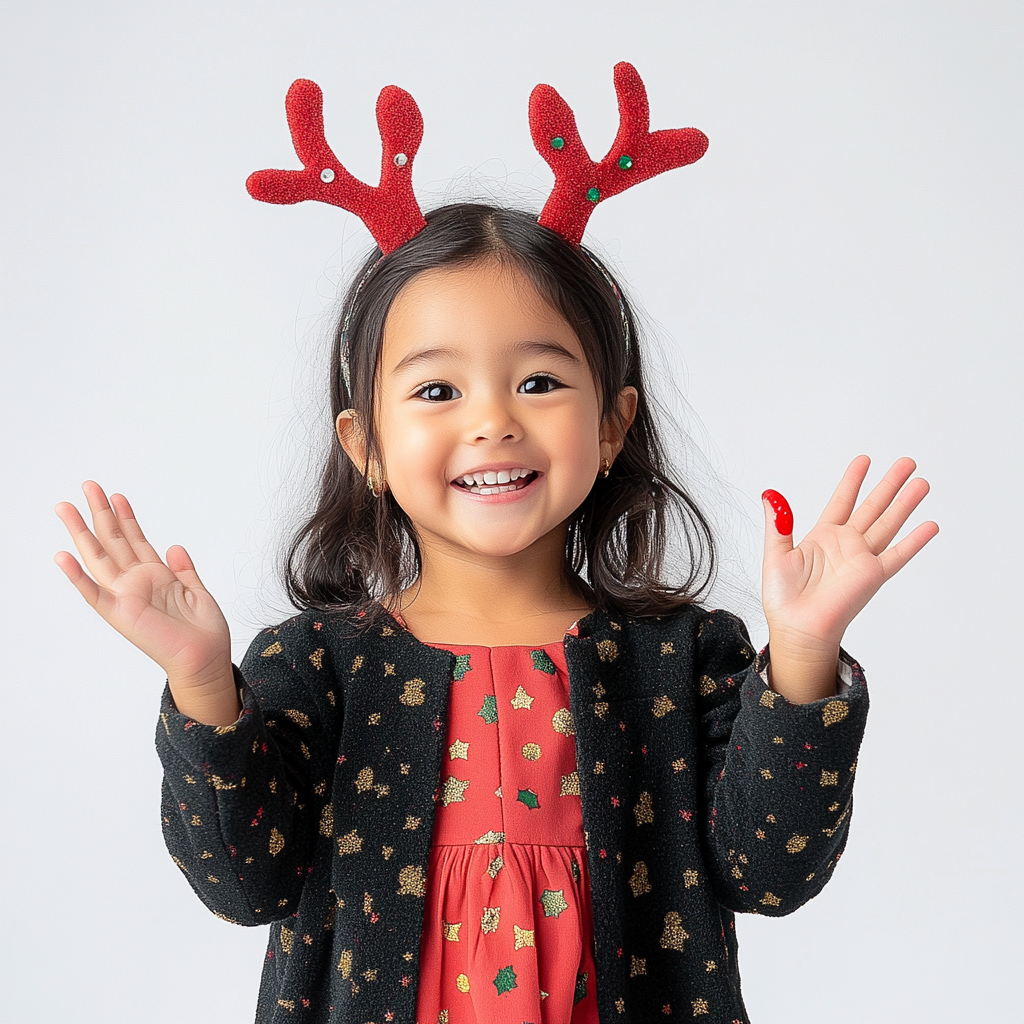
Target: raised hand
point(162, 608)
point(812, 591)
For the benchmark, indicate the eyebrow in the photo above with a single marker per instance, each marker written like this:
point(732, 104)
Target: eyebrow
point(533, 348)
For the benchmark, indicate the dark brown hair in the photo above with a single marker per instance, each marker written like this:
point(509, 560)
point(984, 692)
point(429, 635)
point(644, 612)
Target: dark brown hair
point(356, 549)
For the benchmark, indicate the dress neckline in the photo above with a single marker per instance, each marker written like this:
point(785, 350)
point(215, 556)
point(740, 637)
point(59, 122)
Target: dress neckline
point(399, 619)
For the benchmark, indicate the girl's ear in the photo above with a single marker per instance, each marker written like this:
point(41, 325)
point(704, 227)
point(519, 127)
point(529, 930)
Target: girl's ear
point(617, 423)
point(351, 437)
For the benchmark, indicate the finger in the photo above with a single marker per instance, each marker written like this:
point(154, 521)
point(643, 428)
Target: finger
point(95, 556)
point(180, 564)
point(144, 551)
point(881, 533)
point(778, 524)
point(882, 494)
point(87, 587)
point(106, 526)
point(893, 559)
point(844, 497)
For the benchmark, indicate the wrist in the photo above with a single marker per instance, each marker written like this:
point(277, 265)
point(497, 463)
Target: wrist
point(211, 699)
point(802, 669)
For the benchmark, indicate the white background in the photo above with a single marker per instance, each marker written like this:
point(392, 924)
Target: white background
point(840, 274)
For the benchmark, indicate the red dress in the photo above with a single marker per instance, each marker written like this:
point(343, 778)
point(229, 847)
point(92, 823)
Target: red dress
point(508, 931)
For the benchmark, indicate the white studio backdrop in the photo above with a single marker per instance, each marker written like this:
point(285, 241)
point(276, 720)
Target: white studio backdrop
point(840, 274)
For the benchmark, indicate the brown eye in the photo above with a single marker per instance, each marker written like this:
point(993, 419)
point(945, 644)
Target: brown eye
point(438, 392)
point(539, 384)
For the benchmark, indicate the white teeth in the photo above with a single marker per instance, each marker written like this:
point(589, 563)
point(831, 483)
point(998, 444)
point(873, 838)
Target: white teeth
point(492, 478)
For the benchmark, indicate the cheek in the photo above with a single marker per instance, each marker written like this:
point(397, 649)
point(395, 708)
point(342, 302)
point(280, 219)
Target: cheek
point(413, 446)
point(579, 446)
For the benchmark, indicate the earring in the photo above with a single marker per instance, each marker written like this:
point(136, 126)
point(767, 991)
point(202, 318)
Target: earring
point(375, 490)
point(606, 467)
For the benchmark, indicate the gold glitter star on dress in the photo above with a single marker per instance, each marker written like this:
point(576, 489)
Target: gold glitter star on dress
point(454, 791)
point(522, 700)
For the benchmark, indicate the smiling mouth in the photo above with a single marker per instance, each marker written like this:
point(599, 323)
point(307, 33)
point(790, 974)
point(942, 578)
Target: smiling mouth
point(496, 488)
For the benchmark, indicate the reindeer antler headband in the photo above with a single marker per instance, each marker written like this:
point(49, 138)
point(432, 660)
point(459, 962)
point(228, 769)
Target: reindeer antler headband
point(390, 209)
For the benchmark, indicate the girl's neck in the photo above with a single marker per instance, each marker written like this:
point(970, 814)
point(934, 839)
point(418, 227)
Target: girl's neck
point(523, 599)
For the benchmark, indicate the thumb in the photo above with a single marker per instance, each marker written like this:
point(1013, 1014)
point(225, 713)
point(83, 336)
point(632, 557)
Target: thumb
point(180, 564)
point(778, 524)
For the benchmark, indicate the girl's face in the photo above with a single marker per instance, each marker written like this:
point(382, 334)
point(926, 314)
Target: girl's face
point(488, 414)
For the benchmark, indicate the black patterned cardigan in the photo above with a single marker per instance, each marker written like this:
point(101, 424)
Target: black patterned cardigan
point(703, 793)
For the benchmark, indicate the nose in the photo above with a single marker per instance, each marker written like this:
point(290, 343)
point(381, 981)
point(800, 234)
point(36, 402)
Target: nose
point(492, 417)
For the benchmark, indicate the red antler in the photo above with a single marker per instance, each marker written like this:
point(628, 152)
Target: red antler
point(636, 153)
point(390, 210)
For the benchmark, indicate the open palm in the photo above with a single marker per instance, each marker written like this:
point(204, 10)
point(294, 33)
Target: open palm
point(815, 589)
point(161, 607)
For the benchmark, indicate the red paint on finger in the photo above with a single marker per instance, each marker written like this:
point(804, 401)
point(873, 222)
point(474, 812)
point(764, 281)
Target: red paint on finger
point(783, 513)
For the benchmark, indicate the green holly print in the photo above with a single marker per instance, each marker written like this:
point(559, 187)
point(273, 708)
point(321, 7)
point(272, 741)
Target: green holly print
point(542, 663)
point(489, 711)
point(528, 797)
point(553, 902)
point(505, 980)
point(461, 666)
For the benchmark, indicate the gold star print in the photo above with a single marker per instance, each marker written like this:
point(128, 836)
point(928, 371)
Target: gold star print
point(662, 706)
point(644, 811)
point(524, 936)
point(562, 722)
point(522, 699)
point(675, 935)
point(834, 711)
point(639, 881)
point(570, 785)
point(412, 881)
point(451, 931)
point(454, 791)
point(489, 919)
point(459, 750)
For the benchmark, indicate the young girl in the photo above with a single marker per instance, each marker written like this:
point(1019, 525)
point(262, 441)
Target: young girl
point(498, 769)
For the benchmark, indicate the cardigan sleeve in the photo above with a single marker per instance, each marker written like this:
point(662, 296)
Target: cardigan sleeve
point(778, 777)
point(240, 802)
